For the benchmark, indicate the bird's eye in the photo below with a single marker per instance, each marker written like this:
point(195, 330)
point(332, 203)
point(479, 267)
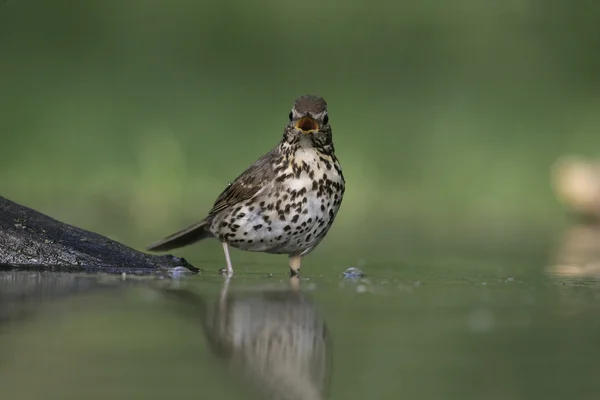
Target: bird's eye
point(291, 115)
point(325, 119)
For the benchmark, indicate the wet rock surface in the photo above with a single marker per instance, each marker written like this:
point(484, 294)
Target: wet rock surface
point(32, 240)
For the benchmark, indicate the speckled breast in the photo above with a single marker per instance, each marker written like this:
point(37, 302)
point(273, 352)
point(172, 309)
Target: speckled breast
point(289, 216)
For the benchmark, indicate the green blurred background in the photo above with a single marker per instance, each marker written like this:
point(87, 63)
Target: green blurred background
point(128, 118)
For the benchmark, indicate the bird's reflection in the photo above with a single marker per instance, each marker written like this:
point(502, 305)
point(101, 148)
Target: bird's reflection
point(276, 339)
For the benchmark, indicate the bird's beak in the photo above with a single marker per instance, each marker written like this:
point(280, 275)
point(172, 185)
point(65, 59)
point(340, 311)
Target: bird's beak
point(307, 125)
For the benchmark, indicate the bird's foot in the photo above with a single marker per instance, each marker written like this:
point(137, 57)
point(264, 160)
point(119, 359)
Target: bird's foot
point(226, 272)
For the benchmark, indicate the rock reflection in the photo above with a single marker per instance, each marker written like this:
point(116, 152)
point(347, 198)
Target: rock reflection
point(576, 183)
point(578, 252)
point(23, 292)
point(276, 340)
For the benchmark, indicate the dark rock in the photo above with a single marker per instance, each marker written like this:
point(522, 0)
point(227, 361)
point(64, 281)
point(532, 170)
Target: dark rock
point(32, 240)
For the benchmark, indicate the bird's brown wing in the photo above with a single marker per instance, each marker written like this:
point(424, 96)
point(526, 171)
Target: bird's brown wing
point(248, 184)
point(245, 186)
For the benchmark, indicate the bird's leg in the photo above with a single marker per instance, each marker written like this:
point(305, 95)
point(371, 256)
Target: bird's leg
point(228, 259)
point(295, 262)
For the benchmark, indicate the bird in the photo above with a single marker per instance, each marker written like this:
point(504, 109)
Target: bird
point(285, 202)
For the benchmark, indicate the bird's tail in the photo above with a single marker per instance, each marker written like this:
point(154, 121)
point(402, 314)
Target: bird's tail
point(184, 237)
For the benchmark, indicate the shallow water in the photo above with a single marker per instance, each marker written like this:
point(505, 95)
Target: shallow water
point(403, 331)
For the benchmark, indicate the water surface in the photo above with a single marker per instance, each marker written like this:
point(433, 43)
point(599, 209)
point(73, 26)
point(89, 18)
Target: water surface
point(402, 331)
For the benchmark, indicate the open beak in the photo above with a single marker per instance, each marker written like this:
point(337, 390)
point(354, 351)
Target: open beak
point(307, 125)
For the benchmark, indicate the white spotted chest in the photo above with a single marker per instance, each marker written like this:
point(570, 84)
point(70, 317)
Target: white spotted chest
point(292, 214)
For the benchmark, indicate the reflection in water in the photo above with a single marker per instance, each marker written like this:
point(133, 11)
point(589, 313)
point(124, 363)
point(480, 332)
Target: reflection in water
point(576, 183)
point(276, 339)
point(578, 252)
point(22, 292)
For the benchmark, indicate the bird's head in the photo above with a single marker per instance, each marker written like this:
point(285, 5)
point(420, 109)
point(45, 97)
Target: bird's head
point(309, 123)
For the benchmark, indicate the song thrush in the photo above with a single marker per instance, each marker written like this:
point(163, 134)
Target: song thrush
point(285, 202)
